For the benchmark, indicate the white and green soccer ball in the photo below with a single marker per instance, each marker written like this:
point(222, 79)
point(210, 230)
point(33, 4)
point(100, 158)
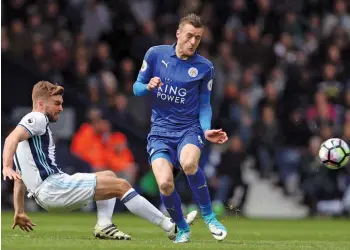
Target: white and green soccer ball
point(334, 153)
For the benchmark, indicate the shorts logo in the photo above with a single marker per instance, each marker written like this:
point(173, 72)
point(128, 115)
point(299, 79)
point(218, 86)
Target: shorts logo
point(152, 151)
point(193, 72)
point(200, 140)
point(210, 84)
point(31, 121)
point(144, 66)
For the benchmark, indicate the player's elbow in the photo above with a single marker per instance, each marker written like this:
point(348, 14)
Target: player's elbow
point(205, 109)
point(204, 99)
point(18, 185)
point(139, 88)
point(134, 89)
point(18, 188)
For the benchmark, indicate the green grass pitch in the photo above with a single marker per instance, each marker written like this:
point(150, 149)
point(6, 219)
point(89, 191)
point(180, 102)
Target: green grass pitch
point(73, 231)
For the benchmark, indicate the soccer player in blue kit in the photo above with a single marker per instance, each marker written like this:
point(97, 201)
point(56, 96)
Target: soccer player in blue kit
point(180, 82)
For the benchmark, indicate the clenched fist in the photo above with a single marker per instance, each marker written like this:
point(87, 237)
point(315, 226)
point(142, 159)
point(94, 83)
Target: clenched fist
point(154, 83)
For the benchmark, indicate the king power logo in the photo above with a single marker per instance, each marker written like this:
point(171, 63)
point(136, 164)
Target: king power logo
point(172, 94)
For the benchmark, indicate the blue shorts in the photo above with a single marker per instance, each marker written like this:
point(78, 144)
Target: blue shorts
point(169, 144)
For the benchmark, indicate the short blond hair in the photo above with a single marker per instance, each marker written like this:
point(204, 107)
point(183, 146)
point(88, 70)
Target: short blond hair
point(192, 19)
point(44, 90)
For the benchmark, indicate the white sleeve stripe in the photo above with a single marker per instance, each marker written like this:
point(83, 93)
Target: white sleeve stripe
point(31, 134)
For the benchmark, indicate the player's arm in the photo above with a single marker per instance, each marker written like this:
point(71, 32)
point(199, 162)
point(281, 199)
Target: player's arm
point(205, 111)
point(20, 218)
point(145, 83)
point(17, 135)
point(18, 196)
point(32, 124)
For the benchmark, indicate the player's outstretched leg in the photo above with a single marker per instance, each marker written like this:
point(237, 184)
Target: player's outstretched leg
point(162, 170)
point(109, 186)
point(105, 228)
point(189, 161)
point(172, 204)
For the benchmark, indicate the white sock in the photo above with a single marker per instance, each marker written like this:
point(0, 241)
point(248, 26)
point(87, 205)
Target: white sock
point(166, 224)
point(105, 210)
point(143, 208)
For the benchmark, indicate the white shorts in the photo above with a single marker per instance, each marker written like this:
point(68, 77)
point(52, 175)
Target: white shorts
point(62, 192)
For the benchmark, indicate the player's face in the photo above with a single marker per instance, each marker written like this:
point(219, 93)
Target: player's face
point(188, 38)
point(54, 107)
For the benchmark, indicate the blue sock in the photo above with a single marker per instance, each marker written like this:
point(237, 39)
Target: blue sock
point(172, 204)
point(200, 190)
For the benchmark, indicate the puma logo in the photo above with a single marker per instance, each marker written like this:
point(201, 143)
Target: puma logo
point(166, 64)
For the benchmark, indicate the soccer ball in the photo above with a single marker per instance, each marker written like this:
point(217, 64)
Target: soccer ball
point(334, 153)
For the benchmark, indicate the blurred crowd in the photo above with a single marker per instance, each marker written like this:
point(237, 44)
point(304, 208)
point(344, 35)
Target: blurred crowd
point(282, 82)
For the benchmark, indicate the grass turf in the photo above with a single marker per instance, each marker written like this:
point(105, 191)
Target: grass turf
point(74, 231)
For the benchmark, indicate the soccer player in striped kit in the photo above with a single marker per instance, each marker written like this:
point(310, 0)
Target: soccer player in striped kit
point(30, 145)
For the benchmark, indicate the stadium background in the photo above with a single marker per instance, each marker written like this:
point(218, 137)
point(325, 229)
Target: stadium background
point(282, 86)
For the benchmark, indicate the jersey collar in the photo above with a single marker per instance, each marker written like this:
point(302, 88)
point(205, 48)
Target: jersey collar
point(173, 53)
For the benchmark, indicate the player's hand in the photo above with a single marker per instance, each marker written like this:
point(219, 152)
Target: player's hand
point(216, 136)
point(23, 221)
point(8, 172)
point(155, 82)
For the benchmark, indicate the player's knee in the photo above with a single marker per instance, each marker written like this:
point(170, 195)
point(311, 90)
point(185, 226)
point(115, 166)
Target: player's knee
point(166, 187)
point(189, 166)
point(122, 187)
point(109, 173)
point(124, 184)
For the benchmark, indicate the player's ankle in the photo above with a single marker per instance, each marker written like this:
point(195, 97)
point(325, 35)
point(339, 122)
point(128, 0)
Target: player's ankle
point(207, 210)
point(209, 216)
point(166, 224)
point(183, 225)
point(186, 229)
point(103, 223)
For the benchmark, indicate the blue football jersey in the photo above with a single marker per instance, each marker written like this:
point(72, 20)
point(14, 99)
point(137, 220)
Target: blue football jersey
point(176, 105)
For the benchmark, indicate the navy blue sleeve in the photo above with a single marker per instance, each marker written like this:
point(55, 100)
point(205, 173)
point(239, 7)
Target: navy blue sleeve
point(205, 111)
